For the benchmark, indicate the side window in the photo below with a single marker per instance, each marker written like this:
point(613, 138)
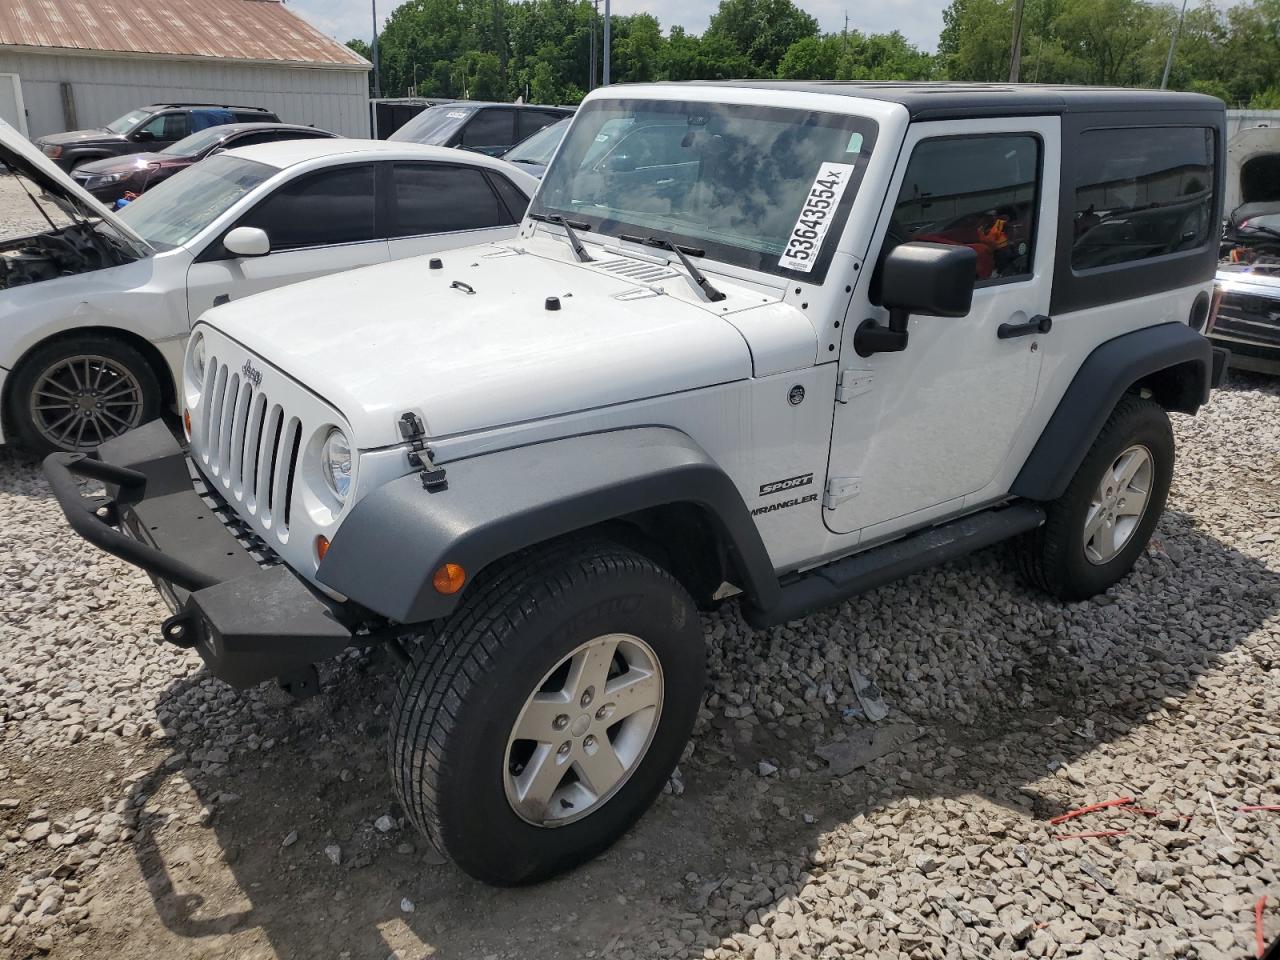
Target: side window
point(531, 121)
point(154, 129)
point(488, 128)
point(320, 209)
point(980, 192)
point(514, 200)
point(430, 198)
point(176, 126)
point(1141, 193)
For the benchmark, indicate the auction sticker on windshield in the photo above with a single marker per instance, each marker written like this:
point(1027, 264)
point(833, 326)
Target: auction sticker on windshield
point(815, 217)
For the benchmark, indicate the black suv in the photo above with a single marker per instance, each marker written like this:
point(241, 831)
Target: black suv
point(490, 128)
point(147, 128)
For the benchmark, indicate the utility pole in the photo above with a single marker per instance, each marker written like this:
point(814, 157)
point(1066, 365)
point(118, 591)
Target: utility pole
point(1015, 55)
point(595, 15)
point(608, 37)
point(377, 80)
point(1173, 43)
point(845, 33)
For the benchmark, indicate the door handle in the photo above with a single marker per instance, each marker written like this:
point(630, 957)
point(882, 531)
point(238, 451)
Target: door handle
point(1037, 324)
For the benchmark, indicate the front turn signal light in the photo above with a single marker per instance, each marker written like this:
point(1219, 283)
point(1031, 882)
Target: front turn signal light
point(322, 546)
point(186, 422)
point(449, 579)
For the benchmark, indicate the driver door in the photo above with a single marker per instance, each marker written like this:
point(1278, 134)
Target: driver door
point(929, 432)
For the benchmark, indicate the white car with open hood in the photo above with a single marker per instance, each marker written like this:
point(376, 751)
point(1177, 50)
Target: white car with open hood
point(95, 308)
point(782, 342)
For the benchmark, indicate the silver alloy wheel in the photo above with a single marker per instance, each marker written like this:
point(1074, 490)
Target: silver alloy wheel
point(79, 402)
point(583, 731)
point(1118, 504)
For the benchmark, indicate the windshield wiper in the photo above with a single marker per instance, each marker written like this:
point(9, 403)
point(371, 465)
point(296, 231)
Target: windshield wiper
point(579, 250)
point(696, 275)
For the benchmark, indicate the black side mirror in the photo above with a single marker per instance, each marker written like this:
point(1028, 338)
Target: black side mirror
point(934, 279)
point(143, 136)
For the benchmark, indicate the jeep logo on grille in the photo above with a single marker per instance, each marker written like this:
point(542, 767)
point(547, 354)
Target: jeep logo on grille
point(252, 374)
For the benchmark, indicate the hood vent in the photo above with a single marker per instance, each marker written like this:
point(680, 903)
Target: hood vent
point(639, 271)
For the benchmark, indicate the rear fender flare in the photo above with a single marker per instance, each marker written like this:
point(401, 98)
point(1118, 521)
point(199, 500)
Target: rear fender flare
point(1171, 359)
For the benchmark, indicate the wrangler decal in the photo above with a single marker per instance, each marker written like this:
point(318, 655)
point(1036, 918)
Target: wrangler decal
point(784, 504)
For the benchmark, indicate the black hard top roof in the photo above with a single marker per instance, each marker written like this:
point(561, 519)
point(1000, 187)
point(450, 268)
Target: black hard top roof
point(942, 101)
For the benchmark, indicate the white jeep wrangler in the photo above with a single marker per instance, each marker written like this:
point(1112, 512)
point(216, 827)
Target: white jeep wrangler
point(791, 340)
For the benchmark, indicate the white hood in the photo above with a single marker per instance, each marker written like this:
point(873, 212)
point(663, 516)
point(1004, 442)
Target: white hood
point(21, 155)
point(400, 336)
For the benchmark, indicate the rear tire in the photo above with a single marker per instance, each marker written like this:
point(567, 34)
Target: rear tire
point(485, 763)
point(1095, 532)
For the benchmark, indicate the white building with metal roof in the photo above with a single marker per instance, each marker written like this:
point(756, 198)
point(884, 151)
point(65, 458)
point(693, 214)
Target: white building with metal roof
point(68, 65)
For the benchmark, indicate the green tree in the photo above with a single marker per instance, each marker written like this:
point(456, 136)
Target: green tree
point(762, 30)
point(974, 43)
point(811, 58)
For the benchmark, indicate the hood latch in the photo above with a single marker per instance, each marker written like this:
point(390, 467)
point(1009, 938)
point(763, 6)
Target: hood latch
point(420, 456)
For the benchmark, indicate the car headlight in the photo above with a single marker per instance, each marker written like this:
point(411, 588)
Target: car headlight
point(52, 150)
point(197, 359)
point(335, 460)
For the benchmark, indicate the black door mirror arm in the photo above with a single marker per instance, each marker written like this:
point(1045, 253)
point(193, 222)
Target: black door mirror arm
point(872, 336)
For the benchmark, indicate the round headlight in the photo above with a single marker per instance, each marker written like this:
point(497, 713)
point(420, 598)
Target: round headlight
point(335, 460)
point(197, 357)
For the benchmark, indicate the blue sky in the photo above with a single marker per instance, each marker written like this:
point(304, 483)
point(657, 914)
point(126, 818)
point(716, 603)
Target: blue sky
point(919, 20)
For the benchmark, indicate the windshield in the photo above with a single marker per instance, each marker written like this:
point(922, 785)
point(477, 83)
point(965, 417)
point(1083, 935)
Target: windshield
point(170, 214)
point(195, 144)
point(434, 125)
point(539, 147)
point(128, 121)
point(760, 187)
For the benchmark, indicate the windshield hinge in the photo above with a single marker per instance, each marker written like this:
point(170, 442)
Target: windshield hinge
point(852, 383)
point(840, 489)
point(420, 456)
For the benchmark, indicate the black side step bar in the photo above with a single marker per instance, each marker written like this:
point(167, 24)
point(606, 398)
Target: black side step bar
point(861, 572)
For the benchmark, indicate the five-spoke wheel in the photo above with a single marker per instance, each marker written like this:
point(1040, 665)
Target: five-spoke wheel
point(583, 730)
point(1097, 529)
point(549, 711)
point(1118, 504)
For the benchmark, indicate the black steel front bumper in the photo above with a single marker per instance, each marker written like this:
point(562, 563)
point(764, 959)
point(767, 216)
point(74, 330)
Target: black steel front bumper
point(249, 622)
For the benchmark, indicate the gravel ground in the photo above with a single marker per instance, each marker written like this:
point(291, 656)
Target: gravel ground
point(148, 810)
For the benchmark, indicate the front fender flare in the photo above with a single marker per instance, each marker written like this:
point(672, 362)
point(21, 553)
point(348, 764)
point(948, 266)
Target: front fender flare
point(386, 550)
point(1111, 369)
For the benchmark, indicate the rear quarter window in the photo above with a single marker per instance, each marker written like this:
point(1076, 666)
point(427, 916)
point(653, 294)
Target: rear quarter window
point(1141, 193)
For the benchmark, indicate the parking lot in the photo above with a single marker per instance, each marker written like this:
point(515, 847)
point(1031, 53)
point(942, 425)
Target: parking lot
point(150, 811)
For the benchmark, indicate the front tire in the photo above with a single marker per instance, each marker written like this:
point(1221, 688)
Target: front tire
point(77, 392)
point(1095, 532)
point(546, 715)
